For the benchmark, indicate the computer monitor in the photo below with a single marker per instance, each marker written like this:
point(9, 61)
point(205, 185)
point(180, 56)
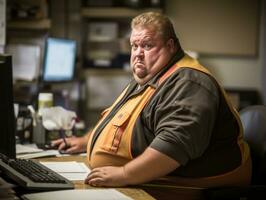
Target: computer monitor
point(59, 60)
point(7, 116)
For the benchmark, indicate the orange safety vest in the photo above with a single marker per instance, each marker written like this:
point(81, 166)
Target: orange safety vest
point(113, 145)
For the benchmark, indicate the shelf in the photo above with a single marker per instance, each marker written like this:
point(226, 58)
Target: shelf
point(42, 24)
point(106, 32)
point(118, 12)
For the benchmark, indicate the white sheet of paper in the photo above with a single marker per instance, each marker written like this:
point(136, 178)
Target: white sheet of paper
point(73, 171)
point(95, 194)
point(75, 176)
point(38, 154)
point(22, 149)
point(66, 167)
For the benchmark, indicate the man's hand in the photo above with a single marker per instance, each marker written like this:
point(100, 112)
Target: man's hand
point(151, 164)
point(74, 144)
point(107, 176)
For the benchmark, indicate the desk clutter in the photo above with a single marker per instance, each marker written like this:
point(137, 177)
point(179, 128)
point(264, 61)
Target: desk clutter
point(46, 124)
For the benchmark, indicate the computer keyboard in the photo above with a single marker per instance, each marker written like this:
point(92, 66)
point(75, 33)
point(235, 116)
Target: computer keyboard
point(32, 175)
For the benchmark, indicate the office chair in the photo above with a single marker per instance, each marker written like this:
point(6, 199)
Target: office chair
point(254, 126)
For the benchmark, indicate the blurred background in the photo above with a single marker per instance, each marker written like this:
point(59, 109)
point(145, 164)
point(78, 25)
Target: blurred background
point(78, 50)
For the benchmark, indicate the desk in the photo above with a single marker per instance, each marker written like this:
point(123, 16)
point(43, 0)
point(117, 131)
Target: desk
point(133, 192)
point(140, 192)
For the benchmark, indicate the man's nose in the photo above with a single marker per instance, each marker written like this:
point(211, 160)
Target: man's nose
point(140, 52)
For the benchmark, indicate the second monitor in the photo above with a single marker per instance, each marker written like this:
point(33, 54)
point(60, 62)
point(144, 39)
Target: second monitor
point(59, 60)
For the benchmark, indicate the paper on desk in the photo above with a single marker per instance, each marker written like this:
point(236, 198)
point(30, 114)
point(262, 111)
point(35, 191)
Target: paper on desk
point(75, 176)
point(41, 154)
point(95, 194)
point(32, 148)
point(67, 154)
point(67, 167)
point(72, 170)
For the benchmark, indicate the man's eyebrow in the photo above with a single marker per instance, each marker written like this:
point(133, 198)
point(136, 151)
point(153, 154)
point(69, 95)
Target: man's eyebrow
point(145, 39)
point(149, 40)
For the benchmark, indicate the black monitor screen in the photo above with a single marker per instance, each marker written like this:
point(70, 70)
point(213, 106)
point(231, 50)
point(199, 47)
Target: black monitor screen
point(59, 60)
point(7, 118)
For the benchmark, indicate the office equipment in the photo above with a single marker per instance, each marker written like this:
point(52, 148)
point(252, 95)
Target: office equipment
point(95, 194)
point(7, 117)
point(32, 175)
point(59, 60)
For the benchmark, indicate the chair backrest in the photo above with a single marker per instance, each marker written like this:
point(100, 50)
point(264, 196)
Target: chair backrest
point(254, 123)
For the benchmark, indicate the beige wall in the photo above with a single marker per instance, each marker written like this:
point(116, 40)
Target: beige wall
point(235, 72)
point(231, 71)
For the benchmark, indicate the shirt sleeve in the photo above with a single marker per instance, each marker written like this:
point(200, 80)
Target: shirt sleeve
point(182, 115)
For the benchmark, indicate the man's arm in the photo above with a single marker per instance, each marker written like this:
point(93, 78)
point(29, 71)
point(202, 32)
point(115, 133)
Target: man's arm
point(151, 164)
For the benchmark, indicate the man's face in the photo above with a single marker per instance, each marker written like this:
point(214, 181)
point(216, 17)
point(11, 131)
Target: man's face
point(149, 53)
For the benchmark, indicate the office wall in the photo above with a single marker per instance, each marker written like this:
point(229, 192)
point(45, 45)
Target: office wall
point(234, 71)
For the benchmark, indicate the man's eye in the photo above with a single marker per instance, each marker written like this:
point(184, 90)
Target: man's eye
point(134, 46)
point(147, 46)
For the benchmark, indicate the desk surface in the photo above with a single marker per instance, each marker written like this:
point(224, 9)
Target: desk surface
point(141, 192)
point(135, 193)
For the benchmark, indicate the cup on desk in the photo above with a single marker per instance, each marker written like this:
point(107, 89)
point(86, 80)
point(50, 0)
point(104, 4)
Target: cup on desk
point(45, 100)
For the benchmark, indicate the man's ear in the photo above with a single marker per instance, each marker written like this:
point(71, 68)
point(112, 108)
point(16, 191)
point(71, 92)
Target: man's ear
point(171, 45)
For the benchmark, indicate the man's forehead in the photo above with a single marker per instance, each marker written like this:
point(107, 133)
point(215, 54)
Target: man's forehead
point(143, 34)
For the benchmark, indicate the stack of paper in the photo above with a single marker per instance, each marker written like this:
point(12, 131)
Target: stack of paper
point(30, 148)
point(72, 170)
point(32, 151)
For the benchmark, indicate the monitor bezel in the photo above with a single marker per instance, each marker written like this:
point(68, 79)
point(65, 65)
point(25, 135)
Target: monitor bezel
point(8, 137)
